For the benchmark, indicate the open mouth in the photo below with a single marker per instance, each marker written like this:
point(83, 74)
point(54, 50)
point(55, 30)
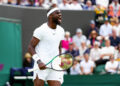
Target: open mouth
point(60, 18)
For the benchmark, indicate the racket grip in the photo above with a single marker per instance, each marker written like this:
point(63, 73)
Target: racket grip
point(33, 69)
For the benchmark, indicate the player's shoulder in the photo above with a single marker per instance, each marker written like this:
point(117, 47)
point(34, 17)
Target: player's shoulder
point(60, 28)
point(41, 27)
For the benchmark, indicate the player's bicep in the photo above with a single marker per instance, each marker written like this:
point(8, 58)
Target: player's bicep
point(34, 41)
point(32, 45)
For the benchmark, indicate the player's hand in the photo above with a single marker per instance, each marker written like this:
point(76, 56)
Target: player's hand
point(41, 65)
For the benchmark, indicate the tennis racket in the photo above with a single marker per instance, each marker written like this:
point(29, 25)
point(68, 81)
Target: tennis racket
point(60, 62)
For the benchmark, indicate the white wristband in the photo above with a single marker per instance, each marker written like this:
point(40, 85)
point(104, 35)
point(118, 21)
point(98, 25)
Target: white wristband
point(35, 57)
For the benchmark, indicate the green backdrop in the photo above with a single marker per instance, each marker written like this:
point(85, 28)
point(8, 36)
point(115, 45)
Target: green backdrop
point(82, 80)
point(10, 48)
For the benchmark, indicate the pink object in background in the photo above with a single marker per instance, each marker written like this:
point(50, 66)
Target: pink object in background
point(1, 66)
point(65, 43)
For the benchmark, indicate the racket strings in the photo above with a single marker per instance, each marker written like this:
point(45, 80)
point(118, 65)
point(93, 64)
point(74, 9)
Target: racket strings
point(63, 62)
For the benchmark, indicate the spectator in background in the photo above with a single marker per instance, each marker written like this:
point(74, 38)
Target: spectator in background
point(82, 50)
point(19, 2)
point(75, 69)
point(100, 14)
point(30, 3)
point(88, 6)
point(1, 2)
point(89, 47)
point(111, 66)
point(93, 1)
point(48, 3)
point(86, 66)
point(95, 52)
point(75, 5)
point(103, 3)
point(92, 27)
point(66, 41)
point(101, 41)
point(114, 39)
point(78, 38)
point(110, 1)
point(105, 29)
point(106, 52)
point(93, 37)
point(10, 2)
point(40, 3)
point(113, 21)
point(117, 54)
point(28, 61)
point(64, 5)
point(114, 9)
point(23, 2)
point(81, 2)
point(116, 26)
point(45, 3)
point(72, 51)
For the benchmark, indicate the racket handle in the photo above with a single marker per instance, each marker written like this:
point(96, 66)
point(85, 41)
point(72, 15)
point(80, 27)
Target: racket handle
point(33, 69)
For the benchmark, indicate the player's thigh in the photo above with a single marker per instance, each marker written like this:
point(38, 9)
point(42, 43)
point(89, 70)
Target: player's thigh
point(53, 83)
point(55, 76)
point(38, 82)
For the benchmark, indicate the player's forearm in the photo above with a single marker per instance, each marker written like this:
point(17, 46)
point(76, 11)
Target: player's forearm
point(60, 48)
point(60, 51)
point(31, 50)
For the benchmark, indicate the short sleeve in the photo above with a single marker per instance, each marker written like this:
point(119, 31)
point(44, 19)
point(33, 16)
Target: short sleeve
point(63, 34)
point(93, 64)
point(81, 64)
point(38, 33)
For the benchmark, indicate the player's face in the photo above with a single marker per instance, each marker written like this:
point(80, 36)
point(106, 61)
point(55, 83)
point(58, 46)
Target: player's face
point(57, 17)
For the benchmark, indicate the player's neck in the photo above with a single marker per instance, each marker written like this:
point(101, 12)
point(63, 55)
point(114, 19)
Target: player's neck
point(52, 25)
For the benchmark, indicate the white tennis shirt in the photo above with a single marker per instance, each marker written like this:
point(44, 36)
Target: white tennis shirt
point(48, 47)
point(109, 65)
point(87, 65)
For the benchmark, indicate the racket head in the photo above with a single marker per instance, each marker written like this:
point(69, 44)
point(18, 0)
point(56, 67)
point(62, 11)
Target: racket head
point(62, 62)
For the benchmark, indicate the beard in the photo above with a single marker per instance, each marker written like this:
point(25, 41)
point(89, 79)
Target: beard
point(56, 21)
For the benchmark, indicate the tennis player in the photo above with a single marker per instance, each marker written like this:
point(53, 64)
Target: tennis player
point(45, 45)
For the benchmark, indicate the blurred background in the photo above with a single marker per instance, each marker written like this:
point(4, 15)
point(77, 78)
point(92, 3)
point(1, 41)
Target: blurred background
point(92, 36)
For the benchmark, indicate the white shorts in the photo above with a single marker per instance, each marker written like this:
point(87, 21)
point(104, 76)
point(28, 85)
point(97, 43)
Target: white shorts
point(49, 74)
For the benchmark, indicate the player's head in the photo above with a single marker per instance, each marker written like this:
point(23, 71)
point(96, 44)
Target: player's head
point(54, 15)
